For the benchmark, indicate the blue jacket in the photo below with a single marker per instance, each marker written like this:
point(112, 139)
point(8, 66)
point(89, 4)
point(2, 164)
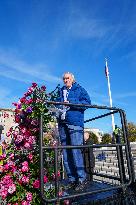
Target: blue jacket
point(77, 95)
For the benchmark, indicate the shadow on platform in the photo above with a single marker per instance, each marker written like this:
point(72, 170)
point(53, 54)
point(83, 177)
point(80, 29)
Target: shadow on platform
point(112, 197)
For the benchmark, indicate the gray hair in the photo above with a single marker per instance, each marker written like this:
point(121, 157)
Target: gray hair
point(72, 75)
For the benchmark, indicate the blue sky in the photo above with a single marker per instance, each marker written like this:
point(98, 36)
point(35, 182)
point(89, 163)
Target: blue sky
point(41, 39)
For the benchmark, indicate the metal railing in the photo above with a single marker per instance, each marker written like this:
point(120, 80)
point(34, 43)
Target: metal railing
point(124, 183)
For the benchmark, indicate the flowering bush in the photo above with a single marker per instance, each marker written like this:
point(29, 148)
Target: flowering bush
point(19, 183)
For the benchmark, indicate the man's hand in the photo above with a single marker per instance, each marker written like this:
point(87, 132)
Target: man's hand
point(66, 101)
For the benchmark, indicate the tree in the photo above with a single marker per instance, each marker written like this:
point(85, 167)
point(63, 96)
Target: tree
point(131, 131)
point(106, 138)
point(94, 138)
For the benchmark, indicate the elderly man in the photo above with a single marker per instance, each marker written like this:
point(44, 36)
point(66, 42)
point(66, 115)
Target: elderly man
point(71, 125)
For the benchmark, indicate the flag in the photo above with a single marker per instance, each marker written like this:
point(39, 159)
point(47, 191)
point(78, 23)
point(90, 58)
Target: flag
point(106, 70)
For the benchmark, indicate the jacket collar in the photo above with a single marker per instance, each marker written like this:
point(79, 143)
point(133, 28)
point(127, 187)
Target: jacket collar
point(74, 86)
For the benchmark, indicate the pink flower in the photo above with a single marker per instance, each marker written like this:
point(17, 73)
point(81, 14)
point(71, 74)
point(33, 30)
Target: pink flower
point(6, 167)
point(54, 176)
point(66, 202)
point(17, 118)
point(27, 145)
point(31, 139)
point(15, 104)
point(22, 100)
point(58, 173)
point(15, 133)
point(23, 130)
point(19, 106)
point(11, 166)
point(4, 194)
point(29, 196)
point(30, 90)
point(11, 156)
point(29, 101)
point(36, 184)
point(3, 156)
point(6, 178)
point(25, 163)
point(19, 138)
point(60, 193)
point(34, 85)
point(30, 156)
point(25, 179)
point(8, 133)
point(45, 179)
point(54, 143)
point(25, 169)
point(12, 189)
point(26, 94)
point(24, 202)
point(43, 88)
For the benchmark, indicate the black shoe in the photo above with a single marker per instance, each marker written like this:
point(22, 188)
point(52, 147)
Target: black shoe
point(81, 186)
point(70, 185)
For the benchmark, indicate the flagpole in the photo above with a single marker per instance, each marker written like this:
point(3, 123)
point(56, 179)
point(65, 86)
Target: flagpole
point(109, 91)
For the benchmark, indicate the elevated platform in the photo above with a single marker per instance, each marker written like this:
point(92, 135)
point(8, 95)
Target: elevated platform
point(112, 197)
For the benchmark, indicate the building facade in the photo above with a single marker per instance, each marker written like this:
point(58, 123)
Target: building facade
point(7, 119)
point(96, 131)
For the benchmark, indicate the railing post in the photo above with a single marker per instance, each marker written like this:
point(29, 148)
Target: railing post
point(121, 164)
point(128, 148)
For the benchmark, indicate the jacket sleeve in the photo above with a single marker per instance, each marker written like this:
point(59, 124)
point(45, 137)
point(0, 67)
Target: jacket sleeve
point(83, 99)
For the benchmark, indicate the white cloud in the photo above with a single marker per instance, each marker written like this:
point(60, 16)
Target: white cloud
point(17, 69)
point(14, 75)
point(88, 28)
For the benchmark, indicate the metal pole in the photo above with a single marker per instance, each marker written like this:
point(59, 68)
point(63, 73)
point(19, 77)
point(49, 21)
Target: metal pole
point(109, 91)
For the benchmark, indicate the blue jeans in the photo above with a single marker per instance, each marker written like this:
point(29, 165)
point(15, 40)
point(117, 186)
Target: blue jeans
point(73, 158)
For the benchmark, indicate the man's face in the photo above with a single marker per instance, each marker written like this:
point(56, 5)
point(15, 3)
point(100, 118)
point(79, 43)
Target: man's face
point(68, 80)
